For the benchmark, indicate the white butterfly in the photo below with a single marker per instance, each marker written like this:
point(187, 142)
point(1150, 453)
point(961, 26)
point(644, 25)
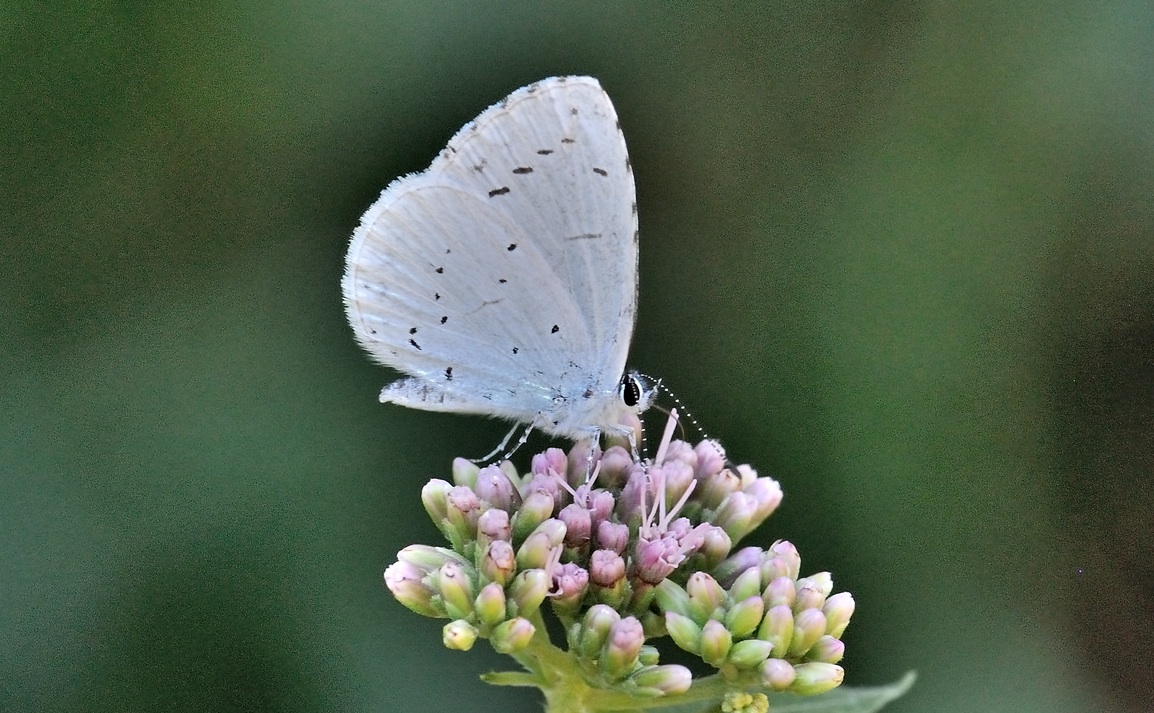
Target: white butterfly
point(503, 278)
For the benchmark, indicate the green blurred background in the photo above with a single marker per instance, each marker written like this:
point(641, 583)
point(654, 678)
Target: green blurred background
point(898, 255)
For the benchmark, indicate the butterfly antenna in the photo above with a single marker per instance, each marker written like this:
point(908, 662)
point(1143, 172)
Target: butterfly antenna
point(683, 413)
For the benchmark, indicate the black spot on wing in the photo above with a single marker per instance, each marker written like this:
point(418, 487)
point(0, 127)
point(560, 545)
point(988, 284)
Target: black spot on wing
point(414, 343)
point(516, 349)
point(544, 152)
point(501, 280)
point(412, 330)
point(444, 319)
point(440, 271)
point(600, 171)
point(555, 329)
point(448, 373)
point(512, 247)
point(568, 141)
point(522, 170)
point(498, 191)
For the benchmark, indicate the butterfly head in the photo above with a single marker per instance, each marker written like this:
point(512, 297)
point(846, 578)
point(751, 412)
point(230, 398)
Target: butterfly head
point(637, 391)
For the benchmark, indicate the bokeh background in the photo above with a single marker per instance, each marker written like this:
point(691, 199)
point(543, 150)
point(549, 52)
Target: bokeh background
point(899, 255)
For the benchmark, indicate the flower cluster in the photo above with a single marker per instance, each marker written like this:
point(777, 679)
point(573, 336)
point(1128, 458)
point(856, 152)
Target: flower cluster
point(626, 551)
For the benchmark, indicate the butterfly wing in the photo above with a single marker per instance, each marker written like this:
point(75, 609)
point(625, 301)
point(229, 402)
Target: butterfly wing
point(503, 279)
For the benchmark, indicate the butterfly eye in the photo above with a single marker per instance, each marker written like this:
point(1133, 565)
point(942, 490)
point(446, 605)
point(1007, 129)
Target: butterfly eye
point(630, 390)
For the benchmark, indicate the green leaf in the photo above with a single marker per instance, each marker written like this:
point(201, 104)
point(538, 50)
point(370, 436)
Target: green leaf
point(843, 699)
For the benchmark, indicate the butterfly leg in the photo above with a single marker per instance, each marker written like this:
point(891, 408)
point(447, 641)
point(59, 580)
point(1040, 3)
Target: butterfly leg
point(629, 435)
point(505, 442)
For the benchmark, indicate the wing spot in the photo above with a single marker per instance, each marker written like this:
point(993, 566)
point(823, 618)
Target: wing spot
point(634, 207)
point(573, 111)
point(414, 343)
point(412, 330)
point(501, 280)
point(436, 296)
point(444, 319)
point(544, 152)
point(585, 236)
point(498, 191)
point(568, 141)
point(600, 171)
point(512, 247)
point(448, 373)
point(522, 170)
point(516, 349)
point(440, 270)
point(555, 329)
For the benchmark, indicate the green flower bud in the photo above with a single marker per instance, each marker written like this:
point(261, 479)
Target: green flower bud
point(747, 584)
point(743, 617)
point(428, 558)
point(536, 509)
point(814, 678)
point(684, 632)
point(537, 548)
point(777, 629)
point(827, 649)
point(511, 471)
point(456, 588)
point(648, 656)
point(811, 592)
point(781, 560)
point(666, 680)
point(777, 674)
point(781, 590)
point(808, 627)
point(737, 563)
point(512, 636)
point(595, 630)
point(459, 635)
point(407, 583)
point(706, 596)
point(716, 642)
point(434, 496)
point(465, 472)
point(715, 548)
point(528, 590)
point(619, 655)
point(838, 609)
point(490, 604)
point(672, 598)
point(750, 653)
point(498, 563)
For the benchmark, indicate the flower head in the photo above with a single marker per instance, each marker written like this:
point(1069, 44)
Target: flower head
point(623, 552)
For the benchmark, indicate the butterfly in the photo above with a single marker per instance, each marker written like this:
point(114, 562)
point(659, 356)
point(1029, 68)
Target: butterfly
point(502, 279)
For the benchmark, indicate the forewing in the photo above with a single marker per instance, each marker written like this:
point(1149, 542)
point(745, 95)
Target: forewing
point(504, 276)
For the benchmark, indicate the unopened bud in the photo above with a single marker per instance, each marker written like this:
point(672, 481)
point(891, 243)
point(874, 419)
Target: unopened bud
point(459, 635)
point(668, 680)
point(512, 635)
point(814, 678)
